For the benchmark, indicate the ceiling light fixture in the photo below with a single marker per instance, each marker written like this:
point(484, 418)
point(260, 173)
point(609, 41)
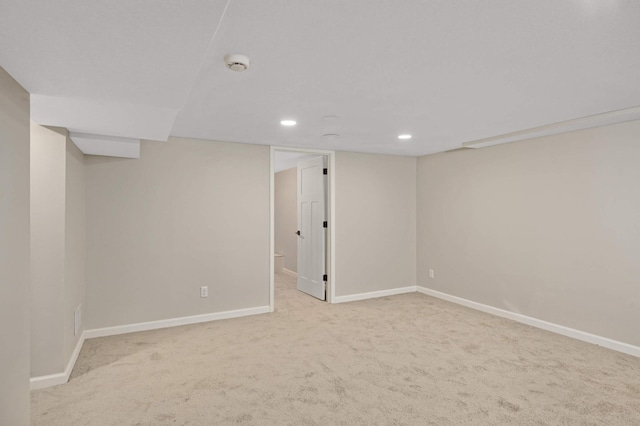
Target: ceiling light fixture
point(288, 123)
point(404, 137)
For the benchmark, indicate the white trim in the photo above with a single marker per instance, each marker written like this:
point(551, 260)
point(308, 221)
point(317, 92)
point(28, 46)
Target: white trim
point(173, 322)
point(374, 294)
point(331, 158)
point(332, 228)
point(272, 228)
point(289, 272)
point(576, 124)
point(41, 382)
point(534, 322)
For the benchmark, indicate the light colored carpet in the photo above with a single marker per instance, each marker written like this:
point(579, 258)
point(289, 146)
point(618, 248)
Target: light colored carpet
point(402, 360)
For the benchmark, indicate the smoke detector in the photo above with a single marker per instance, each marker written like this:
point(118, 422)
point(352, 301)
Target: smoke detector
point(236, 62)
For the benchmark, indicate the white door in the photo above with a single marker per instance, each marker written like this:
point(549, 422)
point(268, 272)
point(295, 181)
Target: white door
point(312, 193)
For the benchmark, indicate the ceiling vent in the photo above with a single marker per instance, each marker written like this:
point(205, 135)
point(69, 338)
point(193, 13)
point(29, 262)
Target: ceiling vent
point(236, 62)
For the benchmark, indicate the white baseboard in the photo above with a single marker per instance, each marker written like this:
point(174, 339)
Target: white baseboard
point(174, 322)
point(41, 382)
point(289, 272)
point(555, 328)
point(373, 294)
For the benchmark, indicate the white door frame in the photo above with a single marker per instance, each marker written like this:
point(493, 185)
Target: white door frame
point(331, 240)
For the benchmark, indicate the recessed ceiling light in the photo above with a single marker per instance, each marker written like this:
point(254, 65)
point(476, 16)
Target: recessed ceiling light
point(288, 122)
point(331, 136)
point(405, 136)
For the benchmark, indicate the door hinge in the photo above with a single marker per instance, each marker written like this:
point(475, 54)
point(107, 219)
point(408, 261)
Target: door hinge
point(325, 278)
point(324, 171)
point(325, 224)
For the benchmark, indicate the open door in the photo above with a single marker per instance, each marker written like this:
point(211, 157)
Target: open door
point(312, 217)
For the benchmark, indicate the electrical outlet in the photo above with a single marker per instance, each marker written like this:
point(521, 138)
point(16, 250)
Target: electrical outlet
point(431, 273)
point(204, 291)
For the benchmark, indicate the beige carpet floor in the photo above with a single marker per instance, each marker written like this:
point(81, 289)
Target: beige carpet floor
point(401, 360)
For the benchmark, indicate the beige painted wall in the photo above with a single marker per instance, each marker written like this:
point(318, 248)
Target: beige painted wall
point(375, 222)
point(548, 228)
point(57, 247)
point(48, 159)
point(14, 252)
point(286, 217)
point(188, 213)
point(75, 247)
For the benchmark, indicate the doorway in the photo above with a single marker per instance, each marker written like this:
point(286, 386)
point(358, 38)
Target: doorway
point(288, 158)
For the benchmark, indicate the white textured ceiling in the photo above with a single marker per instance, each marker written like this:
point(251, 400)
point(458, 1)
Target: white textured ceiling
point(446, 71)
point(120, 67)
